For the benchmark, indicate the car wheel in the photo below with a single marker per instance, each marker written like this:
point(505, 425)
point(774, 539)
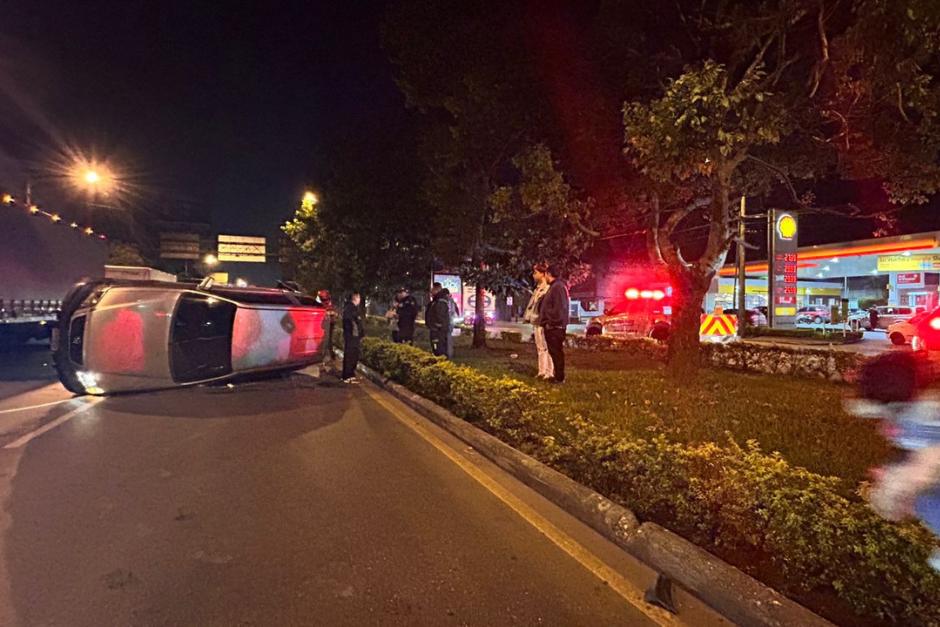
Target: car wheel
point(818, 320)
point(897, 339)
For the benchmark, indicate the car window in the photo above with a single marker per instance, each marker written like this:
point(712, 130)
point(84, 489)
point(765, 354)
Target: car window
point(201, 338)
point(904, 311)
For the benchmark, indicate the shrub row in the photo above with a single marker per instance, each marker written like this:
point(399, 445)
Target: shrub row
point(832, 365)
point(751, 508)
point(830, 335)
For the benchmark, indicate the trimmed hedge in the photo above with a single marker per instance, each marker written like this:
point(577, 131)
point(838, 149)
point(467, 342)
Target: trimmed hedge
point(753, 509)
point(812, 363)
point(830, 335)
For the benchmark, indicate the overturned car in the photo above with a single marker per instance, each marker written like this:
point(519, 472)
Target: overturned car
point(124, 336)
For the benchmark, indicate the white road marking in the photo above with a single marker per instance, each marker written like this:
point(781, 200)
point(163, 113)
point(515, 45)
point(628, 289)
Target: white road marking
point(49, 426)
point(39, 406)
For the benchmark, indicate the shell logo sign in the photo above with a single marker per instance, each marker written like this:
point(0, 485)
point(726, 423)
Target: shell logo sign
point(786, 226)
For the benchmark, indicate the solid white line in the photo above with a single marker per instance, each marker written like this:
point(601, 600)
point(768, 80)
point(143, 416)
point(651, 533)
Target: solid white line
point(39, 406)
point(91, 402)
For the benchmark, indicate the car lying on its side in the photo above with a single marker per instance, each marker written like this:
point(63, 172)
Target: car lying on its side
point(124, 336)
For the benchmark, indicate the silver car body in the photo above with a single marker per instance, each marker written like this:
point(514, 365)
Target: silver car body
point(142, 337)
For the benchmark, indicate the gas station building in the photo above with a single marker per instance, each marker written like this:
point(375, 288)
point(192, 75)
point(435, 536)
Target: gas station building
point(902, 270)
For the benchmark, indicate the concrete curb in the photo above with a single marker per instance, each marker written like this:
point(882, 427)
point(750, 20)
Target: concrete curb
point(731, 592)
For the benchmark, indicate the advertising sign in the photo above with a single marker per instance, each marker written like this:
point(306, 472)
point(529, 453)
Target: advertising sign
point(909, 263)
point(179, 246)
point(452, 282)
point(912, 279)
point(470, 300)
point(782, 279)
point(242, 248)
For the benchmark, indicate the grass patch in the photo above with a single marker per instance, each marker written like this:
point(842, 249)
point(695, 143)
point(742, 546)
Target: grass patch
point(802, 419)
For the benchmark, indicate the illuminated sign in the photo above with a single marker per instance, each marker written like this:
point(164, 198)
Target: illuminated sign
point(786, 226)
point(908, 263)
point(242, 248)
point(782, 277)
point(913, 279)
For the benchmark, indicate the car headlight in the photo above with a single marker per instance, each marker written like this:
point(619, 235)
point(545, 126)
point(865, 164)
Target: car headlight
point(89, 381)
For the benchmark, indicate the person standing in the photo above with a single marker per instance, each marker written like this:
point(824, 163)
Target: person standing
point(407, 309)
point(531, 316)
point(435, 290)
point(439, 322)
point(553, 318)
point(452, 314)
point(353, 331)
point(873, 318)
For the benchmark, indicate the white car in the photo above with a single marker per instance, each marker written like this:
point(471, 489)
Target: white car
point(903, 331)
point(126, 336)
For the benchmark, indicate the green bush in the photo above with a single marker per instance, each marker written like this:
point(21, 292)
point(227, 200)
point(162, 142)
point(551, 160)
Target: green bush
point(754, 509)
point(810, 334)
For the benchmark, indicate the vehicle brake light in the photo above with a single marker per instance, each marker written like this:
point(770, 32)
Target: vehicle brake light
point(632, 293)
point(658, 295)
point(935, 324)
point(646, 294)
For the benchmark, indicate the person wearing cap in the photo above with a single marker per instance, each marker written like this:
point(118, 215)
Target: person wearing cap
point(531, 316)
point(553, 318)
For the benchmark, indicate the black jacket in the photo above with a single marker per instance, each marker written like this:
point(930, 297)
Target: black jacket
point(553, 310)
point(438, 316)
point(352, 322)
point(407, 312)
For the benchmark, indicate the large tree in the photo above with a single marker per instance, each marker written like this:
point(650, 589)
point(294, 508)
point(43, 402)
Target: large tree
point(466, 69)
point(370, 230)
point(771, 93)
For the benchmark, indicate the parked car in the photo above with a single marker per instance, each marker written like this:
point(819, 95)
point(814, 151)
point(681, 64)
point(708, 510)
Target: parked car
point(816, 314)
point(123, 336)
point(903, 331)
point(927, 332)
point(889, 314)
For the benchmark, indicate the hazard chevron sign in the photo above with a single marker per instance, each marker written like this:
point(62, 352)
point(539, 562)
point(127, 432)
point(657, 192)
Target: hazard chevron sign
point(718, 325)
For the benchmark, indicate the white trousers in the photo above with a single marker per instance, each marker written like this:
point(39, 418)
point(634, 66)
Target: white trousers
point(546, 368)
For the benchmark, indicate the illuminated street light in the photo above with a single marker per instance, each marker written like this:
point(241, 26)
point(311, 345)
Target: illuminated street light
point(33, 209)
point(92, 177)
point(8, 199)
point(89, 230)
point(55, 217)
point(309, 200)
point(210, 260)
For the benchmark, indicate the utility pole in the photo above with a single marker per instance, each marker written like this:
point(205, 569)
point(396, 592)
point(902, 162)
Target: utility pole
point(771, 288)
point(742, 293)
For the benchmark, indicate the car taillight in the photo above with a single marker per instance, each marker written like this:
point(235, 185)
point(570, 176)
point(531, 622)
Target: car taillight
point(935, 324)
point(632, 293)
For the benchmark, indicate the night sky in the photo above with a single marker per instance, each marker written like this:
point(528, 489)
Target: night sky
point(224, 111)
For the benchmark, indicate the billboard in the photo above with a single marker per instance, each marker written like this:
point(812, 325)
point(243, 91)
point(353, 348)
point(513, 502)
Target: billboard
point(242, 248)
point(179, 246)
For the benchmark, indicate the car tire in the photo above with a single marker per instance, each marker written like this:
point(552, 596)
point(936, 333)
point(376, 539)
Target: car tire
point(817, 320)
point(897, 339)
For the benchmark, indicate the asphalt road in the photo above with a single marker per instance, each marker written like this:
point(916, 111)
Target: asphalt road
point(291, 501)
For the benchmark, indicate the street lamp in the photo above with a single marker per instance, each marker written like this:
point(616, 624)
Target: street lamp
point(309, 200)
point(210, 260)
point(92, 177)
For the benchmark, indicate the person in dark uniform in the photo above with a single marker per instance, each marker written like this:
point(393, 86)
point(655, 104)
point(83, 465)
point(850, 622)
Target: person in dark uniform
point(353, 331)
point(407, 312)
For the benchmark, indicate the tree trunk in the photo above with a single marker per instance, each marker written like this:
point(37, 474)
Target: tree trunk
point(683, 354)
point(479, 318)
